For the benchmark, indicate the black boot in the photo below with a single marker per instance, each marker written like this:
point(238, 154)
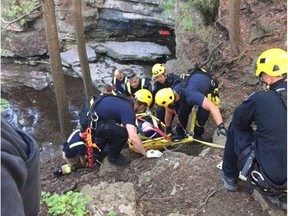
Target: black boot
point(58, 172)
point(178, 137)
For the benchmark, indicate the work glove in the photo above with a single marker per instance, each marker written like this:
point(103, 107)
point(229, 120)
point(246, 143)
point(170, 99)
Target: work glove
point(168, 130)
point(154, 154)
point(221, 130)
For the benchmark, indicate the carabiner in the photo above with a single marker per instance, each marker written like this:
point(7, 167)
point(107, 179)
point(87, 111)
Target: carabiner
point(255, 177)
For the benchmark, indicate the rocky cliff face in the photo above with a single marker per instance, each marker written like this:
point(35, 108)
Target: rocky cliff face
point(102, 19)
point(114, 18)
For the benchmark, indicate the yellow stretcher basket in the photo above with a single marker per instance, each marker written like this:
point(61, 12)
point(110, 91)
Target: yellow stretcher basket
point(159, 142)
point(165, 140)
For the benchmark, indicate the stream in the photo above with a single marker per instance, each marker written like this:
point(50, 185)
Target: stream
point(36, 111)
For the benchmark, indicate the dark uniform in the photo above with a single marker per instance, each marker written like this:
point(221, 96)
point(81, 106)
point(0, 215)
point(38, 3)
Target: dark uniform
point(197, 87)
point(143, 84)
point(20, 173)
point(75, 145)
point(268, 112)
point(170, 80)
point(112, 112)
point(119, 86)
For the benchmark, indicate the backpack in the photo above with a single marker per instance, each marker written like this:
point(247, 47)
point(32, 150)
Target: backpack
point(88, 116)
point(213, 93)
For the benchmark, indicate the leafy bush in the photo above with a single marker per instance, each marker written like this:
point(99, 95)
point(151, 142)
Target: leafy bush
point(14, 9)
point(207, 8)
point(69, 204)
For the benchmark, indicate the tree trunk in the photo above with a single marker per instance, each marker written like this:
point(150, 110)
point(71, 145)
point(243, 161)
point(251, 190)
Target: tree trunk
point(81, 45)
point(56, 66)
point(234, 26)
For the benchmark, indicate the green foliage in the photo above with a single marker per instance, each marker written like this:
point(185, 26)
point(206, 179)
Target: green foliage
point(69, 204)
point(4, 104)
point(207, 8)
point(168, 7)
point(13, 9)
point(112, 213)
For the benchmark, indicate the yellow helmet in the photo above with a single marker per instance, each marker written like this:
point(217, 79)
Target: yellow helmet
point(144, 96)
point(164, 97)
point(272, 62)
point(157, 69)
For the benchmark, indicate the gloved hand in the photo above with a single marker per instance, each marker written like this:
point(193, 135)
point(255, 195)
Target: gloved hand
point(154, 154)
point(168, 130)
point(221, 130)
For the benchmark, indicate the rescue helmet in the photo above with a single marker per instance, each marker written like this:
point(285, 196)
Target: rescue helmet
point(143, 96)
point(164, 97)
point(272, 62)
point(158, 69)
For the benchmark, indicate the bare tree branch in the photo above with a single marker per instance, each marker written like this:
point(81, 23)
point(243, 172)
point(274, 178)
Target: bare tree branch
point(19, 18)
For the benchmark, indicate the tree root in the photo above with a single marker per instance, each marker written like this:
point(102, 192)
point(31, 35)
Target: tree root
point(210, 55)
point(261, 37)
point(207, 199)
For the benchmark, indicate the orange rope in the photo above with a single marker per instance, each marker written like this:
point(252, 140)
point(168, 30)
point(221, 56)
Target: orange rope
point(90, 146)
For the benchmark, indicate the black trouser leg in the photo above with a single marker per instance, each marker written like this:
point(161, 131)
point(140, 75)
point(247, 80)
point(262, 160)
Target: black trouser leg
point(115, 136)
point(236, 142)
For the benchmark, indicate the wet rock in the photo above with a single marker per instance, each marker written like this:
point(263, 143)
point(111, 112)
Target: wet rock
point(136, 50)
point(71, 57)
point(21, 76)
point(37, 80)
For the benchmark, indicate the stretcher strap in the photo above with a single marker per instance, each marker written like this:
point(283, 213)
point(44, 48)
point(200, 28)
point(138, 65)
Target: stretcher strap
point(155, 128)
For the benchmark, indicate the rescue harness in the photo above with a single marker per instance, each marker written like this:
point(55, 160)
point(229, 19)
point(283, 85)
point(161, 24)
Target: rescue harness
point(213, 93)
point(89, 121)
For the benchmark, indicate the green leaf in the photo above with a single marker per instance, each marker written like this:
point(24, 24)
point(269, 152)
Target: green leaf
point(71, 203)
point(4, 105)
point(148, 179)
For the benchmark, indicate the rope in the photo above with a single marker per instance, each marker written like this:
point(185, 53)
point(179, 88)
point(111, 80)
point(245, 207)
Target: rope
point(90, 145)
point(194, 111)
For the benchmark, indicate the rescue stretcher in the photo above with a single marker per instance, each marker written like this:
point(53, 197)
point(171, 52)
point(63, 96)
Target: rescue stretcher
point(165, 140)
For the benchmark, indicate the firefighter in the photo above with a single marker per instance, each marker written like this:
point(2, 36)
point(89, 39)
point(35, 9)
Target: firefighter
point(135, 83)
point(187, 93)
point(74, 153)
point(118, 82)
point(116, 117)
point(264, 149)
point(162, 80)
